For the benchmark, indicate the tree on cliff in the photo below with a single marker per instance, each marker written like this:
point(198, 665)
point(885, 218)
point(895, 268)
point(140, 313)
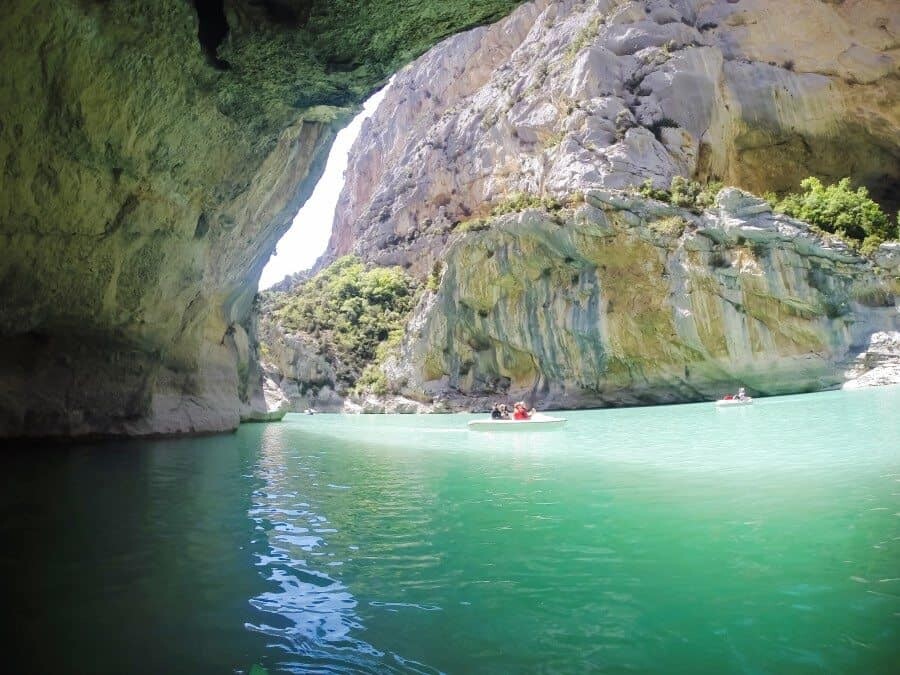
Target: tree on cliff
point(840, 209)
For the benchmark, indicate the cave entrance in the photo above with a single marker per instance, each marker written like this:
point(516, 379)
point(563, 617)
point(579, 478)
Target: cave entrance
point(308, 235)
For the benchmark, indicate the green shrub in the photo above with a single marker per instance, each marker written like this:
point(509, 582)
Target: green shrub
point(838, 209)
point(870, 244)
point(372, 380)
point(434, 277)
point(672, 226)
point(352, 310)
point(516, 203)
point(473, 225)
point(682, 192)
point(575, 199)
point(692, 195)
point(647, 190)
point(520, 201)
point(554, 140)
point(585, 37)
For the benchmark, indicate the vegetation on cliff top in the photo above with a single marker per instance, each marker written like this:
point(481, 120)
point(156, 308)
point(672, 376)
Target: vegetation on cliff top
point(841, 210)
point(833, 209)
point(687, 194)
point(520, 201)
point(355, 314)
point(517, 202)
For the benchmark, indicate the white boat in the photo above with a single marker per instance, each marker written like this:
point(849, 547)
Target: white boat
point(537, 422)
point(727, 402)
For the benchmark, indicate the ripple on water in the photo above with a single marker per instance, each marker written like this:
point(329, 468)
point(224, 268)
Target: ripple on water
point(737, 543)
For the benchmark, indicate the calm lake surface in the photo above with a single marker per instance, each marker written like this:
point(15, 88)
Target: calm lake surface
point(680, 539)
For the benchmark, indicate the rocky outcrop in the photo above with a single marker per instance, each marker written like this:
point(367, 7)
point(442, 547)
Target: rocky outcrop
point(303, 374)
point(878, 364)
point(152, 153)
point(389, 405)
point(269, 403)
point(565, 96)
point(622, 300)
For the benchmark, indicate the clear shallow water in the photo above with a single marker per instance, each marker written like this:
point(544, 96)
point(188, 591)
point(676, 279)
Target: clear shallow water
point(667, 539)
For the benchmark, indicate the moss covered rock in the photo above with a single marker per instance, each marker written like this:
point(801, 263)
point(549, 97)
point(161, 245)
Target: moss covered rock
point(152, 154)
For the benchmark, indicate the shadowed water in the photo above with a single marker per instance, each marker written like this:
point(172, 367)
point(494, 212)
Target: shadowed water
point(667, 539)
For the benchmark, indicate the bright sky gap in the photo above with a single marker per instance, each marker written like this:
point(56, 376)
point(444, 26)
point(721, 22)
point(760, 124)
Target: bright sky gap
point(301, 245)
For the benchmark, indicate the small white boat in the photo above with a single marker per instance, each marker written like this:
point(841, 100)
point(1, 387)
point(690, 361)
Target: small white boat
point(727, 402)
point(537, 422)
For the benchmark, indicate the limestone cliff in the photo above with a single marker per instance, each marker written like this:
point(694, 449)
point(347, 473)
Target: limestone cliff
point(623, 300)
point(152, 153)
point(614, 298)
point(561, 96)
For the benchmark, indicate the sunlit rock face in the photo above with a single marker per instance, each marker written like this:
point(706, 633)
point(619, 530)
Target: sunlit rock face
point(565, 95)
point(621, 300)
point(151, 155)
point(624, 301)
point(304, 375)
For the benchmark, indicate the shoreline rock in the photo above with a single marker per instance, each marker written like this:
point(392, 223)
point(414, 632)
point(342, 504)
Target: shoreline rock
point(878, 365)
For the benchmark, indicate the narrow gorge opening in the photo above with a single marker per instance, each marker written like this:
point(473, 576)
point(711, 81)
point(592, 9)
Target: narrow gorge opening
point(308, 236)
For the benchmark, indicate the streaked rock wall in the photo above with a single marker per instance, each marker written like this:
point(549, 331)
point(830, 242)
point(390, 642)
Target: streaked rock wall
point(624, 301)
point(600, 304)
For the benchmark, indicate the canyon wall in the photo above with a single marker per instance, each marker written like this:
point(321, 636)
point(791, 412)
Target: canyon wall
point(627, 301)
point(152, 153)
point(586, 293)
point(562, 96)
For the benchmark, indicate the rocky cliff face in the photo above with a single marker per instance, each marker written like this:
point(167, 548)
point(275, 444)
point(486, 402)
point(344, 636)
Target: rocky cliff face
point(566, 95)
point(151, 155)
point(624, 300)
point(617, 299)
point(303, 373)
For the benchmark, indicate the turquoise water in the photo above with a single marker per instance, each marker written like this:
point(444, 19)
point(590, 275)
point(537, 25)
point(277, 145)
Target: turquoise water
point(762, 539)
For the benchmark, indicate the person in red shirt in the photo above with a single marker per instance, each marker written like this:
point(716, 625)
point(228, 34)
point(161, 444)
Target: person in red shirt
point(520, 413)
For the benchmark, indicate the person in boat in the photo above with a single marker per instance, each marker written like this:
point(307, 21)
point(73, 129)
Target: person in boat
point(740, 396)
point(520, 413)
point(495, 412)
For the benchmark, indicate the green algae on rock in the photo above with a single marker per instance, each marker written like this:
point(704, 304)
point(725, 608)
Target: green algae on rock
point(606, 310)
point(151, 161)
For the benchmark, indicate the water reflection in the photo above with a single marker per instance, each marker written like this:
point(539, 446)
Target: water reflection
point(311, 614)
point(657, 540)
